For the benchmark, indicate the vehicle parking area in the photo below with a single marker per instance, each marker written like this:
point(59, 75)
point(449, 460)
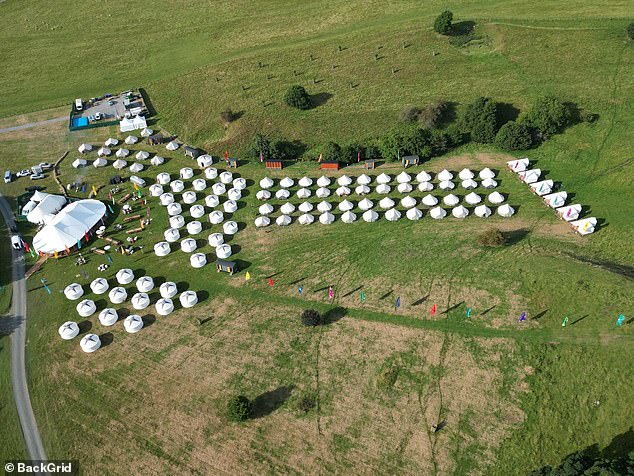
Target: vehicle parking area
point(111, 107)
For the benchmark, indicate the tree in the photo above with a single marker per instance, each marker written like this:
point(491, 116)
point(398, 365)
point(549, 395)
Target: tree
point(261, 144)
point(440, 142)
point(549, 116)
point(417, 141)
point(238, 408)
point(455, 135)
point(311, 318)
point(630, 31)
point(514, 136)
point(297, 97)
point(480, 119)
point(332, 151)
point(409, 113)
point(492, 237)
point(391, 144)
point(431, 115)
point(442, 24)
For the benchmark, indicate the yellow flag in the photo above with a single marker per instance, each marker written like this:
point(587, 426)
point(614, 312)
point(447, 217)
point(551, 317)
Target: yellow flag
point(94, 190)
point(55, 253)
point(134, 185)
point(247, 276)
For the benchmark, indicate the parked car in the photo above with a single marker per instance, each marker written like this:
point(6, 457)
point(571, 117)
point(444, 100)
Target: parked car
point(23, 173)
point(45, 165)
point(98, 116)
point(7, 176)
point(16, 242)
point(37, 176)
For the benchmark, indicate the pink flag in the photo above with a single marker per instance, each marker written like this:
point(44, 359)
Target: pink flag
point(358, 156)
point(261, 157)
point(330, 293)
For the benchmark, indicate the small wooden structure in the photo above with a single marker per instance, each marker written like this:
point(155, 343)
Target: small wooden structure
point(273, 164)
point(329, 165)
point(232, 163)
point(156, 139)
point(370, 164)
point(125, 198)
point(226, 266)
point(408, 160)
point(192, 152)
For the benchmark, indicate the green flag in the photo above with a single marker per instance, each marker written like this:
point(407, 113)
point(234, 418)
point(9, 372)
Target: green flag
point(469, 312)
point(362, 296)
point(563, 324)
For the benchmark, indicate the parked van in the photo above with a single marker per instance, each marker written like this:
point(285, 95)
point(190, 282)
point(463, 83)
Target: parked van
point(79, 104)
point(7, 176)
point(16, 242)
point(137, 180)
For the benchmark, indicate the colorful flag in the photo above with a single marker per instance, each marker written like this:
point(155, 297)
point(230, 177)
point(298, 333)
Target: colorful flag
point(300, 290)
point(397, 304)
point(135, 186)
point(331, 293)
point(261, 157)
point(32, 253)
point(271, 283)
point(55, 254)
point(79, 244)
point(468, 312)
point(320, 158)
point(67, 251)
point(362, 296)
point(43, 281)
point(26, 246)
point(94, 191)
point(138, 192)
point(434, 308)
point(522, 316)
point(226, 155)
point(358, 156)
point(565, 322)
point(569, 212)
point(247, 276)
point(109, 259)
point(619, 321)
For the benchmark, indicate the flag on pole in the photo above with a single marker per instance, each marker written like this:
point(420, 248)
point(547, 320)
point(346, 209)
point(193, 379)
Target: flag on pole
point(55, 254)
point(320, 158)
point(358, 156)
point(109, 259)
point(94, 190)
point(522, 317)
point(79, 244)
point(113, 204)
point(362, 296)
point(67, 251)
point(135, 186)
point(468, 313)
point(300, 290)
point(261, 157)
point(26, 246)
point(138, 192)
point(271, 283)
point(331, 293)
point(619, 321)
point(247, 276)
point(226, 155)
point(434, 308)
point(565, 322)
point(43, 281)
point(397, 304)
point(32, 253)
point(147, 212)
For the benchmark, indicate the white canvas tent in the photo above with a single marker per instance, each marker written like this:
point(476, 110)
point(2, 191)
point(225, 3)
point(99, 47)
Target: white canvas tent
point(429, 200)
point(473, 198)
point(405, 187)
point(460, 212)
point(168, 290)
point(342, 191)
point(90, 343)
point(365, 204)
point(287, 182)
point(482, 211)
point(69, 226)
point(542, 188)
point(445, 176)
point(265, 194)
point(465, 174)
point(287, 208)
point(130, 140)
point(506, 210)
point(437, 213)
point(122, 153)
point(346, 205)
point(585, 226)
point(323, 181)
point(423, 177)
point(198, 260)
point(386, 203)
point(68, 330)
point(281, 194)
point(392, 214)
point(99, 162)
point(306, 219)
point(446, 185)
point(305, 182)
point(370, 216)
point(84, 148)
point(125, 276)
point(425, 186)
point(414, 214)
point(133, 323)
point(188, 245)
point(266, 182)
point(324, 206)
point(172, 145)
point(45, 210)
point(77, 163)
point(261, 222)
point(383, 179)
point(403, 177)
point(556, 200)
point(157, 160)
point(530, 176)
point(177, 221)
point(383, 189)
point(283, 220)
point(570, 212)
point(364, 179)
point(348, 217)
point(326, 218)
point(519, 165)
point(322, 192)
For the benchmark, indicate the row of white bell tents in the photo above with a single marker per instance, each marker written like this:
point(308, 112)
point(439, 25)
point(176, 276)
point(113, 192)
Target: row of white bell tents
point(189, 245)
point(327, 218)
point(383, 179)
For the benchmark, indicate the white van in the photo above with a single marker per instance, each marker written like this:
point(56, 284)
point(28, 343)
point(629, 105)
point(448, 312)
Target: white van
point(137, 180)
point(79, 105)
point(7, 176)
point(16, 242)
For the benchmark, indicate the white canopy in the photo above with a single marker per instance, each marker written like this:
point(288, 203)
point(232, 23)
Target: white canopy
point(305, 182)
point(366, 204)
point(188, 197)
point(130, 140)
point(168, 289)
point(362, 190)
point(119, 164)
point(226, 177)
point(230, 206)
point(234, 194)
point(423, 177)
point(482, 211)
point(344, 181)
point(323, 181)
point(414, 214)
point(239, 183)
point(157, 160)
point(437, 213)
point(216, 239)
point(287, 208)
point(125, 276)
point(326, 218)
point(469, 184)
point(530, 176)
point(177, 186)
point(162, 248)
point(364, 179)
point(136, 167)
point(73, 291)
point(489, 183)
point(283, 220)
point(166, 198)
point(177, 221)
point(265, 194)
point(163, 178)
point(211, 173)
point(262, 221)
point(137, 122)
point(505, 210)
point(45, 211)
point(145, 284)
point(164, 306)
point(555, 200)
point(585, 226)
point(77, 163)
point(188, 299)
point(117, 295)
point(38, 196)
point(403, 177)
point(69, 226)
point(486, 173)
point(223, 251)
point(303, 193)
point(174, 209)
point(305, 207)
point(204, 160)
point(219, 188)
point(140, 301)
point(212, 201)
point(84, 148)
point(90, 343)
point(324, 207)
point(460, 212)
point(451, 200)
point(266, 182)
point(429, 200)
point(198, 260)
point(99, 162)
point(104, 151)
point(172, 235)
point(230, 228)
point(108, 317)
point(133, 323)
point(322, 192)
point(404, 187)
point(342, 191)
point(68, 330)
point(216, 217)
point(408, 202)
point(145, 132)
point(570, 213)
point(392, 214)
point(110, 141)
point(496, 198)
point(446, 185)
point(425, 186)
point(370, 216)
point(99, 285)
point(186, 173)
point(383, 179)
point(519, 165)
point(473, 198)
point(172, 145)
point(445, 176)
point(188, 245)
point(346, 206)
point(465, 174)
point(265, 209)
point(306, 219)
point(348, 217)
point(386, 203)
point(542, 188)
point(287, 182)
point(282, 194)
point(383, 189)
point(122, 153)
point(86, 308)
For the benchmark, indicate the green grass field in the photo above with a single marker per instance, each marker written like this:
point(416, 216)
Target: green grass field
point(514, 396)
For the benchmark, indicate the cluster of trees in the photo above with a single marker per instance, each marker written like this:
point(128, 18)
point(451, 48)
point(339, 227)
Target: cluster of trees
point(297, 97)
point(442, 24)
point(584, 463)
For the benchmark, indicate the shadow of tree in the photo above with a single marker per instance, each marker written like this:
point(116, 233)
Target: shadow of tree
point(320, 99)
point(268, 402)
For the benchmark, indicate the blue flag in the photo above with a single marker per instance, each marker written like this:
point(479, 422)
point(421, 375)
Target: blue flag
point(523, 316)
point(398, 302)
point(468, 312)
point(619, 321)
point(300, 289)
